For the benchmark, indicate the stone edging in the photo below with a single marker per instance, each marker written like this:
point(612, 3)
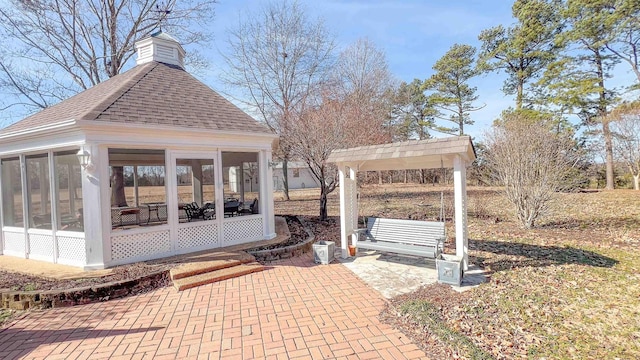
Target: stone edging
point(288, 251)
point(23, 300)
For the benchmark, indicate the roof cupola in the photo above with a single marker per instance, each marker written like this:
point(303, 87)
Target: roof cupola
point(160, 47)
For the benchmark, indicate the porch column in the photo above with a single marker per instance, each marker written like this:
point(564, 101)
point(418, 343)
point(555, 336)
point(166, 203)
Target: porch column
point(460, 194)
point(95, 189)
point(265, 173)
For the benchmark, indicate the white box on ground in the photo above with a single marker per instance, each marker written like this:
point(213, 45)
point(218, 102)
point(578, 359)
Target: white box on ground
point(323, 252)
point(449, 269)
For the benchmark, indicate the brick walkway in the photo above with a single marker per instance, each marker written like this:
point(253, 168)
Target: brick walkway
point(292, 310)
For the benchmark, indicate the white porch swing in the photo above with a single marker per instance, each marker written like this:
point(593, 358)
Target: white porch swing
point(452, 152)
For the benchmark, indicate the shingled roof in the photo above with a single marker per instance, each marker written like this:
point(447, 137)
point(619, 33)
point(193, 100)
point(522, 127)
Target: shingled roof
point(151, 94)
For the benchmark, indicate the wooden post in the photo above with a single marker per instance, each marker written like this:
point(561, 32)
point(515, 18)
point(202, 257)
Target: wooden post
point(344, 210)
point(460, 190)
point(354, 204)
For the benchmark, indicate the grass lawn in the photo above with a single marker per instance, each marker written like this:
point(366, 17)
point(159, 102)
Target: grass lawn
point(567, 289)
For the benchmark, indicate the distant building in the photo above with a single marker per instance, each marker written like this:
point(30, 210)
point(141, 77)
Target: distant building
point(300, 176)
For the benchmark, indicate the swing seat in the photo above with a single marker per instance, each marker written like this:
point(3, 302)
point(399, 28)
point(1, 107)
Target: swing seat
point(407, 237)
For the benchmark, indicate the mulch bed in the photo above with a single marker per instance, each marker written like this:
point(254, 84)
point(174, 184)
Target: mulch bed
point(24, 282)
point(296, 229)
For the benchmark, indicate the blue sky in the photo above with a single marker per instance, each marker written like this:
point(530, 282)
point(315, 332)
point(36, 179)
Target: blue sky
point(414, 34)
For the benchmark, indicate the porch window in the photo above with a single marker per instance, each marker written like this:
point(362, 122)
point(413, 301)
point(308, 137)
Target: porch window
point(241, 178)
point(196, 190)
point(12, 193)
point(69, 191)
point(138, 188)
point(39, 196)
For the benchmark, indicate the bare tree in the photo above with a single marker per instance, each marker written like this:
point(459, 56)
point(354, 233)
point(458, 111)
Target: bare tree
point(362, 71)
point(625, 126)
point(62, 47)
point(278, 56)
point(533, 163)
point(332, 125)
point(58, 48)
point(351, 110)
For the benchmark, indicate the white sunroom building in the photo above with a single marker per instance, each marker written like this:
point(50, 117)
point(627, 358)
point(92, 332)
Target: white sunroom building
point(136, 168)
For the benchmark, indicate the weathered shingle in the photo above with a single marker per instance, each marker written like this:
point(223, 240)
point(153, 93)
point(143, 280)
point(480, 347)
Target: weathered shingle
point(149, 94)
point(430, 150)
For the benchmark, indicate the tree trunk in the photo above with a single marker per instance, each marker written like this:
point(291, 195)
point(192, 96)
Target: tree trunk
point(608, 148)
point(323, 202)
point(379, 177)
point(519, 94)
point(606, 132)
point(118, 197)
point(285, 178)
point(636, 182)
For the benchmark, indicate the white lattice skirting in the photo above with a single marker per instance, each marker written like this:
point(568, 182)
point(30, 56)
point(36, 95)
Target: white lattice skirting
point(14, 243)
point(140, 245)
point(242, 231)
point(41, 246)
point(72, 250)
point(198, 237)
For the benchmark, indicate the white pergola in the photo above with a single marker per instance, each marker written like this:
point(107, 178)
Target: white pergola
point(452, 152)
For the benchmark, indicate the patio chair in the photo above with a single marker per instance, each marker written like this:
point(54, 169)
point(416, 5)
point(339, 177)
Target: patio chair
point(231, 208)
point(192, 210)
point(208, 211)
point(252, 209)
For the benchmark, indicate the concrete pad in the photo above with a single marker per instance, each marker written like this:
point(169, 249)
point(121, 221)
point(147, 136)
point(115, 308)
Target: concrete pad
point(392, 275)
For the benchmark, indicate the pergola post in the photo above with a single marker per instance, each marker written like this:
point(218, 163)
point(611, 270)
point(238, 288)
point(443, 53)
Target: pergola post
point(460, 195)
point(345, 208)
point(353, 192)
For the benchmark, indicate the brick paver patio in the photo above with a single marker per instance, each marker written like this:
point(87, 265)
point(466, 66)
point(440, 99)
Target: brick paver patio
point(292, 310)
